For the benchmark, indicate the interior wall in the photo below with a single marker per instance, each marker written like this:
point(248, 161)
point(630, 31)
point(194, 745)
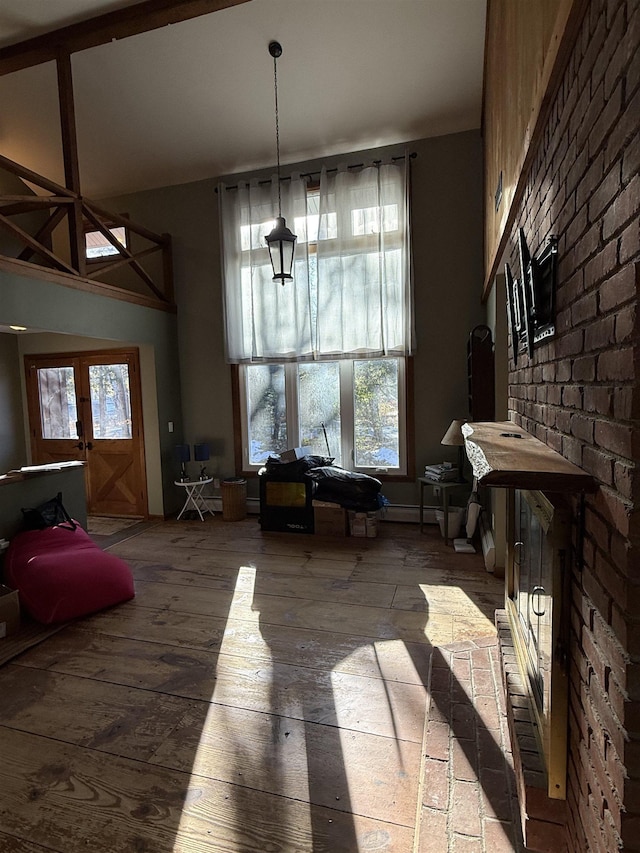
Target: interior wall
point(447, 246)
point(65, 311)
point(13, 452)
point(579, 393)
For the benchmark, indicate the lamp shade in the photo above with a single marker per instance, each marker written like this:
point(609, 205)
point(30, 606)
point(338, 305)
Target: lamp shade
point(453, 436)
point(183, 453)
point(281, 243)
point(201, 452)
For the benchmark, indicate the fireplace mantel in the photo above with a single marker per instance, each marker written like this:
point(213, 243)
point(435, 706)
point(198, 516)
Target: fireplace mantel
point(503, 454)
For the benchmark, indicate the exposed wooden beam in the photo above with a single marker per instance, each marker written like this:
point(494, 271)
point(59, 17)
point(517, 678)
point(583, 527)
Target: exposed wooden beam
point(122, 262)
point(45, 232)
point(13, 205)
point(70, 157)
point(38, 248)
point(124, 252)
point(117, 219)
point(138, 18)
point(33, 177)
point(31, 272)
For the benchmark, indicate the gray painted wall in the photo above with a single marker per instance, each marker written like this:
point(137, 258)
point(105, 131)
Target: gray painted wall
point(447, 245)
point(35, 489)
point(64, 311)
point(13, 452)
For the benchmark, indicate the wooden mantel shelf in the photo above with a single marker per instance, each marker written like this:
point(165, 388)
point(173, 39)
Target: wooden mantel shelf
point(503, 454)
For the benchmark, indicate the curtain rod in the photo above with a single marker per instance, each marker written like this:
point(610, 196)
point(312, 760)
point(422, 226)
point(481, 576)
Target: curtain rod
point(412, 156)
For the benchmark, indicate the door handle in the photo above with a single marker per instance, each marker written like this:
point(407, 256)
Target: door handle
point(79, 445)
point(538, 591)
point(89, 445)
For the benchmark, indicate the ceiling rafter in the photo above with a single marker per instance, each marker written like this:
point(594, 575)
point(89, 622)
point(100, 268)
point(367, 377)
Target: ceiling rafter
point(132, 20)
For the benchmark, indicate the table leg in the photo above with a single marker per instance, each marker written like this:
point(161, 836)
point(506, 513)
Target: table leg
point(422, 485)
point(446, 515)
point(186, 504)
point(196, 500)
point(200, 503)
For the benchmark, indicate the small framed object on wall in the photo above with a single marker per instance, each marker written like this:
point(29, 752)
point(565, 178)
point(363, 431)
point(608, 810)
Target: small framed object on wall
point(531, 297)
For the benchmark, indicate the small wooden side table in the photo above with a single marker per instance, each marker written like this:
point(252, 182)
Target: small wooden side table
point(445, 486)
point(195, 499)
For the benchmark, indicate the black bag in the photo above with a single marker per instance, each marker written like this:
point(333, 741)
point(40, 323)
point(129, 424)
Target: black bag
point(350, 489)
point(49, 514)
point(293, 472)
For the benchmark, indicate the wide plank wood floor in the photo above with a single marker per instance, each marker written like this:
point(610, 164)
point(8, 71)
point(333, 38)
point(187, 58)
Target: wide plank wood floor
point(263, 693)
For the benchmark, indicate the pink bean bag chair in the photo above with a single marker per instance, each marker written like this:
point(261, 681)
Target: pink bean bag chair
point(61, 574)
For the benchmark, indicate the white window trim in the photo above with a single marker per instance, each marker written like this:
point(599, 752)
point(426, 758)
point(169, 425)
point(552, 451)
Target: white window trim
point(346, 416)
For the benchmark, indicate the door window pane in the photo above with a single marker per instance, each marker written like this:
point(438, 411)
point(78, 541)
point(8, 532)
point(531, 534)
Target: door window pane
point(266, 411)
point(319, 403)
point(376, 413)
point(57, 390)
point(110, 400)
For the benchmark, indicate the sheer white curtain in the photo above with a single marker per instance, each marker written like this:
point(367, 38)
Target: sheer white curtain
point(264, 320)
point(364, 273)
point(351, 295)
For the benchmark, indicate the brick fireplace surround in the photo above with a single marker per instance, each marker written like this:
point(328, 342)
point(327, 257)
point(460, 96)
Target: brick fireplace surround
point(579, 394)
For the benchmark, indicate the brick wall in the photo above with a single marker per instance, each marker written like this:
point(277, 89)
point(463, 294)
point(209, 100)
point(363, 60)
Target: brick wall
point(579, 394)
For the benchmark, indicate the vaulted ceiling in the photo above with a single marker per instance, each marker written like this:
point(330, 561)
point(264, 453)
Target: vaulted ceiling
point(195, 99)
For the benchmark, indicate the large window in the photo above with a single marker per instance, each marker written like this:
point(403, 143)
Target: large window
point(352, 410)
point(322, 359)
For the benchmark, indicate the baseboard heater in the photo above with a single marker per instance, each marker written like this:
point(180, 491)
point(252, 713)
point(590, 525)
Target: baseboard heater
point(488, 545)
point(393, 512)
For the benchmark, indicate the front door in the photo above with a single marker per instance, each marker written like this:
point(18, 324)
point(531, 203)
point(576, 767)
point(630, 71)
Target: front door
point(87, 406)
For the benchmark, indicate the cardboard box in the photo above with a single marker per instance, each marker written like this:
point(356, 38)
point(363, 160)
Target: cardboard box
point(293, 454)
point(329, 519)
point(9, 611)
point(363, 524)
point(358, 523)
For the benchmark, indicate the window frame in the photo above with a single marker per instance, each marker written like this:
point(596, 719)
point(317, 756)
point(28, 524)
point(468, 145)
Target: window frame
point(405, 402)
point(89, 228)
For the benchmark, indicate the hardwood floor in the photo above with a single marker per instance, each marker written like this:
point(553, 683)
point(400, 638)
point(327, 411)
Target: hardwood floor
point(263, 692)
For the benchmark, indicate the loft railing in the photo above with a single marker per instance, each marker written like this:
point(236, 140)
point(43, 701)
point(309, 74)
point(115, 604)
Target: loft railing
point(62, 204)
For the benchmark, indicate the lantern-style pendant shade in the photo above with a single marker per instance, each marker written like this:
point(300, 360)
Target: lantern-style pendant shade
point(281, 243)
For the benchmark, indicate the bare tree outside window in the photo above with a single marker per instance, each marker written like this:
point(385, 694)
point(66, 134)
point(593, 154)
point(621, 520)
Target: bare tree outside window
point(56, 388)
point(266, 410)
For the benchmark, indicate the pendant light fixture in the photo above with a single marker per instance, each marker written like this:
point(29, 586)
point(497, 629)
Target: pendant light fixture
point(281, 241)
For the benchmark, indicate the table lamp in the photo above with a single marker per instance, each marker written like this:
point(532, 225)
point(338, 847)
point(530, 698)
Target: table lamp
point(201, 453)
point(453, 437)
point(183, 455)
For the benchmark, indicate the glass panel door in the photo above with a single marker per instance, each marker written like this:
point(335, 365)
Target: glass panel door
point(110, 400)
point(87, 407)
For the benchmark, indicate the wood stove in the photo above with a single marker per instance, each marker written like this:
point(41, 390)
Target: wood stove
point(537, 577)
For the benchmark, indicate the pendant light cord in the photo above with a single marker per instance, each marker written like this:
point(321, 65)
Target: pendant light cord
point(275, 87)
